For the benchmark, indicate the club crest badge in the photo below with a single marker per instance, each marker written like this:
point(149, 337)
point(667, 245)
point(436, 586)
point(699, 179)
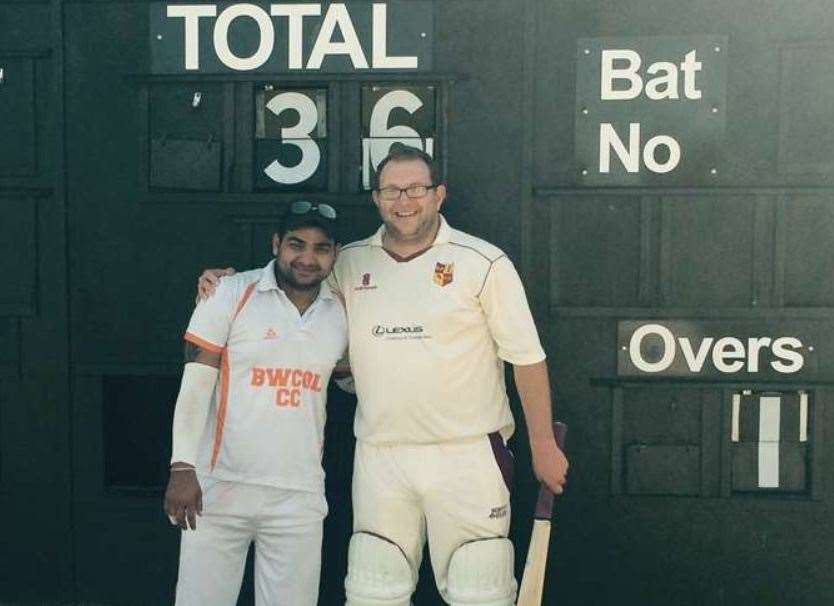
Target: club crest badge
point(444, 273)
point(366, 283)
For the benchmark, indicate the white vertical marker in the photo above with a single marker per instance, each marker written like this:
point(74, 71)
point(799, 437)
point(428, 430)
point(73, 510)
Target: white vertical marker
point(803, 416)
point(769, 413)
point(736, 414)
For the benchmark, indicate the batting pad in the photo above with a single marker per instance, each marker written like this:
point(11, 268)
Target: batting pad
point(378, 573)
point(481, 573)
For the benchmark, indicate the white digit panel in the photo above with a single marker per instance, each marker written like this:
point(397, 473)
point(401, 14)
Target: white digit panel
point(395, 115)
point(290, 136)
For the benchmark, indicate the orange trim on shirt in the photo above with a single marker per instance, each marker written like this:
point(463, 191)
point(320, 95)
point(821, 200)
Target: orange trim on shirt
point(221, 406)
point(246, 294)
point(202, 343)
point(223, 403)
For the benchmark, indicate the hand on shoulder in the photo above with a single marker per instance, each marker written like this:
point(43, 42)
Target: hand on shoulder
point(208, 281)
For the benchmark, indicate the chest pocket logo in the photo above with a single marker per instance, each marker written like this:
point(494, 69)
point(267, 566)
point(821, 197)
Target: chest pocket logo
point(444, 273)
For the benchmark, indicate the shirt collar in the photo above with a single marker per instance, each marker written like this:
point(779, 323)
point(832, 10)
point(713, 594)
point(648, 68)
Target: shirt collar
point(268, 282)
point(444, 234)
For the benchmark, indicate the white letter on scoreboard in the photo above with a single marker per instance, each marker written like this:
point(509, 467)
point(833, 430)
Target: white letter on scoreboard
point(669, 81)
point(689, 67)
point(728, 348)
point(221, 37)
point(380, 57)
point(608, 74)
point(192, 13)
point(668, 348)
point(296, 14)
point(782, 350)
point(674, 154)
point(608, 139)
point(337, 14)
point(695, 361)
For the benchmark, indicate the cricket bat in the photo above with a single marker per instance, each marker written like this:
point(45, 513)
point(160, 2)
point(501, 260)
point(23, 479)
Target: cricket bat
point(532, 581)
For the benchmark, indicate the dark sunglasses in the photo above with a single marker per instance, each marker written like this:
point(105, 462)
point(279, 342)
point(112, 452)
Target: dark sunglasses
point(302, 207)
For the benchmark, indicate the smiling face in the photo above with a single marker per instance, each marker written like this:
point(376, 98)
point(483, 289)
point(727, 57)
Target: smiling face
point(303, 258)
point(409, 220)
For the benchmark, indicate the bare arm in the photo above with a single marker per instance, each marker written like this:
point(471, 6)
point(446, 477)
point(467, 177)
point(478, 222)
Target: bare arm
point(549, 462)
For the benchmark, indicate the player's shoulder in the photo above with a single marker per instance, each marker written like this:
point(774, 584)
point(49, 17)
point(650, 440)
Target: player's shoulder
point(234, 286)
point(356, 247)
point(474, 247)
point(351, 256)
point(219, 307)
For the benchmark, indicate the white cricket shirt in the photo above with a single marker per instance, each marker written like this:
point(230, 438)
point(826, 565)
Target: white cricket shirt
point(267, 425)
point(429, 337)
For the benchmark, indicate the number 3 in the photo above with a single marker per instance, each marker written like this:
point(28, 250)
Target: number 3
point(298, 135)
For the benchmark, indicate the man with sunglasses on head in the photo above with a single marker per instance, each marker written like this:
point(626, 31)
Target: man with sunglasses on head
point(434, 314)
point(248, 424)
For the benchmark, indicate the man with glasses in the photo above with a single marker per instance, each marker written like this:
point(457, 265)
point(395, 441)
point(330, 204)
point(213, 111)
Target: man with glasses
point(252, 469)
point(434, 314)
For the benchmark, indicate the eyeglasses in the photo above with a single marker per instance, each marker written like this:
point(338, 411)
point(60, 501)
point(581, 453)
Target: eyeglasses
point(412, 191)
point(302, 207)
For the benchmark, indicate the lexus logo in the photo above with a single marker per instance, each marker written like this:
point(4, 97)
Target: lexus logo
point(379, 330)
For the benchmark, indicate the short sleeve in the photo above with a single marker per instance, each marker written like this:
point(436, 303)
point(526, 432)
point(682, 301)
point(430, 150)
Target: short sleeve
point(212, 318)
point(508, 315)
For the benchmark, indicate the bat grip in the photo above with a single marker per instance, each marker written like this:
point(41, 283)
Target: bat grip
point(544, 504)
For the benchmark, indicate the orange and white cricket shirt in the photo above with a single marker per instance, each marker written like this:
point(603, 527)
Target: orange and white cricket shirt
point(268, 413)
point(429, 337)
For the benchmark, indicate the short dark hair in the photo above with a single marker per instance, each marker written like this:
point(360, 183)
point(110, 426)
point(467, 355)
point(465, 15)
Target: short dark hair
point(290, 221)
point(400, 152)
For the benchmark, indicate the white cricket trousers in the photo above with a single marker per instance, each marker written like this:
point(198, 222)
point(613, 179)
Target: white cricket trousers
point(454, 492)
point(286, 526)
